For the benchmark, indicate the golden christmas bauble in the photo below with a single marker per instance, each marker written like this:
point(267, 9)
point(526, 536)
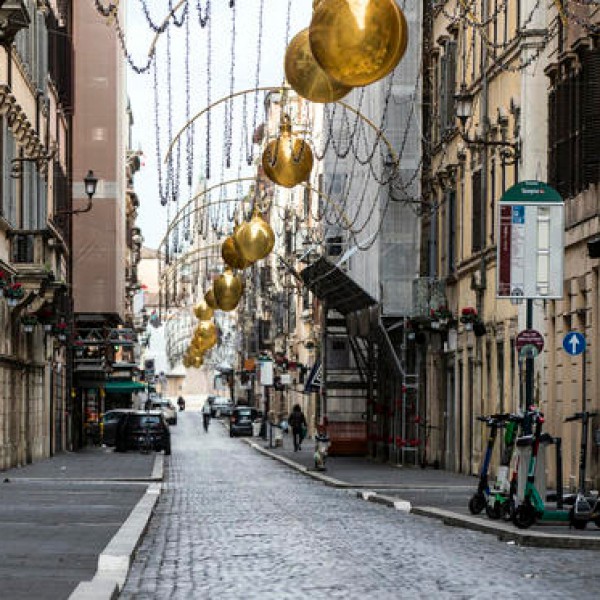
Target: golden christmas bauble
point(306, 76)
point(205, 330)
point(254, 239)
point(357, 42)
point(197, 362)
point(287, 160)
point(228, 290)
point(209, 297)
point(231, 256)
point(203, 311)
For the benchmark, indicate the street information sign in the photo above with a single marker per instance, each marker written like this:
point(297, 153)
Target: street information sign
point(530, 245)
point(531, 337)
point(574, 343)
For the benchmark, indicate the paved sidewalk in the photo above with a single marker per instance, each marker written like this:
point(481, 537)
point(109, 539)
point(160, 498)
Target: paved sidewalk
point(432, 493)
point(59, 515)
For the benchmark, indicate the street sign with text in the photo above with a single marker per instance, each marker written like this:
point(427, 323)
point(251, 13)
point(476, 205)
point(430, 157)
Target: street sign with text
point(529, 337)
point(530, 244)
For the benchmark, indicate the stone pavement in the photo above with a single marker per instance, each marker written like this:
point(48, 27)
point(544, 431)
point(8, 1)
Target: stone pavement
point(231, 525)
point(58, 516)
point(433, 493)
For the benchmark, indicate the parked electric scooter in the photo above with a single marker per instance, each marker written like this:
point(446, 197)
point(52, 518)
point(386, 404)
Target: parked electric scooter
point(585, 508)
point(500, 502)
point(321, 449)
point(533, 504)
point(479, 499)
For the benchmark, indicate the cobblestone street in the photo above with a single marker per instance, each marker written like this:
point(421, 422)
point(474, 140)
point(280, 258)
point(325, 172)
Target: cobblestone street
point(233, 524)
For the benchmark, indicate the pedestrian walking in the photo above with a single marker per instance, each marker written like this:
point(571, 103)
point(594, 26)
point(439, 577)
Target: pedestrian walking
point(297, 421)
point(206, 412)
point(121, 434)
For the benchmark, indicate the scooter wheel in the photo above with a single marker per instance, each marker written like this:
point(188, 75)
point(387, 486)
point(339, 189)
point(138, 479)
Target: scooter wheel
point(524, 516)
point(494, 511)
point(597, 522)
point(477, 503)
point(508, 508)
point(579, 524)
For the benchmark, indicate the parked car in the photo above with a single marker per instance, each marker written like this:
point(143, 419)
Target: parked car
point(168, 409)
point(221, 406)
point(140, 423)
point(110, 420)
point(240, 422)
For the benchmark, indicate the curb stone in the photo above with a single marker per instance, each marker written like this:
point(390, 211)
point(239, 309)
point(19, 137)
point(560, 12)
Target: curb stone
point(115, 560)
point(505, 533)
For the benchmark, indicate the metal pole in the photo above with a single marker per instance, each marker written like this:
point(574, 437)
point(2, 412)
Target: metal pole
point(529, 360)
point(583, 382)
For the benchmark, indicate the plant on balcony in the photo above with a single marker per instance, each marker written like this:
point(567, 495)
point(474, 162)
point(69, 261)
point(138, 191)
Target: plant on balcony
point(469, 317)
point(28, 321)
point(441, 316)
point(4, 280)
point(46, 316)
point(60, 330)
point(14, 293)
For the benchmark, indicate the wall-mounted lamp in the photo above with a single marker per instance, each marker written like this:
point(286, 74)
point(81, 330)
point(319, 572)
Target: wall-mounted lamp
point(89, 185)
point(464, 102)
point(13, 17)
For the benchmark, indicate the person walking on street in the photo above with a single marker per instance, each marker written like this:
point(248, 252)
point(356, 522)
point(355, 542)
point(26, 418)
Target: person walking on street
point(297, 421)
point(206, 416)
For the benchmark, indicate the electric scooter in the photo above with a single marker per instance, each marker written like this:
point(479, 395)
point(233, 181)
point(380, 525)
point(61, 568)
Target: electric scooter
point(500, 502)
point(585, 508)
point(478, 500)
point(533, 506)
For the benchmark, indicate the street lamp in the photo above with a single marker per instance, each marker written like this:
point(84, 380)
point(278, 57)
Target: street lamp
point(464, 102)
point(89, 185)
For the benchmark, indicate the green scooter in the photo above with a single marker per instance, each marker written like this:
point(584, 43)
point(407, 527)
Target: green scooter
point(533, 506)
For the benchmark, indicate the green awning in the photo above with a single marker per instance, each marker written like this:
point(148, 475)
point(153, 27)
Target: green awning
point(123, 387)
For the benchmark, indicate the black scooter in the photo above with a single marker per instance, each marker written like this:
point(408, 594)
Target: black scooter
point(585, 508)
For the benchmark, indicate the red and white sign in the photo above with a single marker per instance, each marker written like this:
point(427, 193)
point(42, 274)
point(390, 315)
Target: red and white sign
point(529, 337)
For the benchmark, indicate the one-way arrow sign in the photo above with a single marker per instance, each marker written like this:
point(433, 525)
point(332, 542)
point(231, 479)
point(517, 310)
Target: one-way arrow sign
point(574, 343)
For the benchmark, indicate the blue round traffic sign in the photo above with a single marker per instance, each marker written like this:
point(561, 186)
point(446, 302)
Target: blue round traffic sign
point(574, 343)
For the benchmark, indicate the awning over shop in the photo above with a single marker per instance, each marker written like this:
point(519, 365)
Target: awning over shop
point(332, 285)
point(123, 387)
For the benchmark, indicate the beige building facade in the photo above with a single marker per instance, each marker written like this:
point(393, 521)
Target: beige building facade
point(511, 69)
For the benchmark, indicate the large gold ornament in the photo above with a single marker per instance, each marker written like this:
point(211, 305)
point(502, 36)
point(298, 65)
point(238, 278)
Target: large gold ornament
point(306, 76)
point(209, 297)
point(231, 256)
point(357, 42)
point(254, 239)
point(287, 160)
point(203, 311)
point(228, 290)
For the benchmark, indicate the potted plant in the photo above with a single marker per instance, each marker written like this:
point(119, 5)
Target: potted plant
point(441, 316)
point(14, 293)
point(4, 281)
point(468, 316)
point(60, 330)
point(28, 321)
point(46, 316)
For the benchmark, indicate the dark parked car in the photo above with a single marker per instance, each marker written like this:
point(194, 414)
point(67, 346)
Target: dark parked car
point(240, 422)
point(110, 420)
point(139, 424)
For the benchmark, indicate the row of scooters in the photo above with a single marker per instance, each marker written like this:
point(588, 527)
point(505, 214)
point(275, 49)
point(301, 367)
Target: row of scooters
point(518, 493)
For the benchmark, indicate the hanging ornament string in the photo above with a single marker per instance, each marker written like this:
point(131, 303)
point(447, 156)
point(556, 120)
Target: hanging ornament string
point(229, 111)
point(208, 23)
point(250, 158)
point(189, 141)
point(162, 191)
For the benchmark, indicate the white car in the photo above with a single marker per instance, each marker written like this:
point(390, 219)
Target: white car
point(166, 406)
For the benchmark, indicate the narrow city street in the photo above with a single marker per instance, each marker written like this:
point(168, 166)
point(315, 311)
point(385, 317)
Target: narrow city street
point(232, 523)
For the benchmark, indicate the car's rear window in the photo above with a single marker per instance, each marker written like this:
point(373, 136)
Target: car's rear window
point(244, 413)
point(145, 420)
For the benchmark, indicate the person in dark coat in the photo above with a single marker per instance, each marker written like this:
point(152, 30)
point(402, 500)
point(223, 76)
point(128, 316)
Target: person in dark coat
point(297, 421)
point(121, 434)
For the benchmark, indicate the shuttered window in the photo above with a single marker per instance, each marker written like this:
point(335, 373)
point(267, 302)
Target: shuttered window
point(447, 87)
point(477, 234)
point(574, 128)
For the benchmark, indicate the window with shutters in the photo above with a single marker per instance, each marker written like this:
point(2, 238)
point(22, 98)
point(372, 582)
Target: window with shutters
point(574, 126)
point(447, 87)
point(478, 212)
point(451, 229)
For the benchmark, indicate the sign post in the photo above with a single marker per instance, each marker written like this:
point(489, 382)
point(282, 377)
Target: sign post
point(574, 343)
point(530, 252)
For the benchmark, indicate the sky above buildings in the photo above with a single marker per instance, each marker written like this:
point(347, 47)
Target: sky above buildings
point(256, 33)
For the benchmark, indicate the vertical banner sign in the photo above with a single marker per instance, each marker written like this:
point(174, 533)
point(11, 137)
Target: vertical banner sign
point(266, 372)
point(531, 244)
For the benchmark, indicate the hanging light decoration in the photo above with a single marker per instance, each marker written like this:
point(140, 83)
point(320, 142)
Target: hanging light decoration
point(358, 42)
point(228, 289)
point(306, 76)
point(230, 254)
point(209, 298)
point(254, 239)
point(287, 160)
point(197, 362)
point(203, 311)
